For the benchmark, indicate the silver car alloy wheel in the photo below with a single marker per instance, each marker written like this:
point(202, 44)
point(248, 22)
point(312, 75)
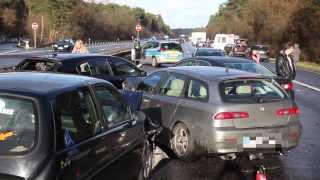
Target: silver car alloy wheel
point(180, 141)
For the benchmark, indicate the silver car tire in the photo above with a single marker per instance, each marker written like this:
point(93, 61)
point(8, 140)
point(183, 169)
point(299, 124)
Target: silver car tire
point(182, 143)
point(154, 62)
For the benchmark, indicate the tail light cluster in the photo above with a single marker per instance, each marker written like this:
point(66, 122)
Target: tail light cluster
point(288, 111)
point(288, 86)
point(231, 115)
point(293, 111)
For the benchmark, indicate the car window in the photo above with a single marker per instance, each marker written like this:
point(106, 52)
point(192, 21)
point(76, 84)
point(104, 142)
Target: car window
point(17, 125)
point(197, 90)
point(122, 68)
point(250, 67)
point(115, 109)
point(100, 66)
point(36, 65)
point(147, 45)
point(171, 46)
point(251, 91)
point(151, 82)
point(75, 116)
point(97, 66)
point(209, 52)
point(186, 63)
point(201, 63)
point(155, 44)
point(173, 86)
point(85, 68)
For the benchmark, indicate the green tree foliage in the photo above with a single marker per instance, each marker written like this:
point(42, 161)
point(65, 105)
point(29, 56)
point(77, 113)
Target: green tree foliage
point(77, 19)
point(271, 22)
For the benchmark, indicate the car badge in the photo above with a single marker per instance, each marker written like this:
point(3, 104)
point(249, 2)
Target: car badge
point(262, 109)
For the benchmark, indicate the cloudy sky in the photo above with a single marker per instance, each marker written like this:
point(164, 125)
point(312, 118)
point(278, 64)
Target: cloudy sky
point(177, 13)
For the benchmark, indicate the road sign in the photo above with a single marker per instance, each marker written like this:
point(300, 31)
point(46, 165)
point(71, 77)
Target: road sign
point(138, 27)
point(35, 26)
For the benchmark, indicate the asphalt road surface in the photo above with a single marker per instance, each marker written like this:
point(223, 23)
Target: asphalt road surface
point(301, 163)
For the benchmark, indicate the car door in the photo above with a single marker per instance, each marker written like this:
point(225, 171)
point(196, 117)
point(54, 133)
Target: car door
point(152, 50)
point(123, 70)
point(75, 120)
point(95, 66)
point(121, 133)
point(149, 87)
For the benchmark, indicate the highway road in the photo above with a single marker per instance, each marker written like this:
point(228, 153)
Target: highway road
point(301, 163)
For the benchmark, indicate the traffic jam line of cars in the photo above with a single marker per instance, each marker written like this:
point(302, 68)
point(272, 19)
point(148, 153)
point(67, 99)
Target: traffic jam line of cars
point(69, 116)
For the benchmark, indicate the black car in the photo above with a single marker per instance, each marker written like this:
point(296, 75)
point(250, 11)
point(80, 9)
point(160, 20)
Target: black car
point(58, 126)
point(240, 64)
point(64, 45)
point(199, 52)
point(113, 69)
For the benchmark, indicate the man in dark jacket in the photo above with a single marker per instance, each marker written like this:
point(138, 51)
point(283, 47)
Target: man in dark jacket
point(284, 62)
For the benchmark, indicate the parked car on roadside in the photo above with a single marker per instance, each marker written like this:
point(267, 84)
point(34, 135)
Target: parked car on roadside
point(240, 64)
point(199, 52)
point(111, 68)
point(220, 111)
point(58, 126)
point(160, 52)
point(64, 45)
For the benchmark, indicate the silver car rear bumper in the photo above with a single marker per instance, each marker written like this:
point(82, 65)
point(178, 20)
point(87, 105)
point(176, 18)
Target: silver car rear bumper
point(232, 140)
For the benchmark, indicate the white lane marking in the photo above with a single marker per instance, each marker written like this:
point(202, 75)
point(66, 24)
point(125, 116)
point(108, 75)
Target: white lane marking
point(7, 52)
point(307, 86)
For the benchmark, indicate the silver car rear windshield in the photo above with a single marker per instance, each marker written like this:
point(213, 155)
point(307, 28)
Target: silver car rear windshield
point(17, 125)
point(251, 67)
point(251, 91)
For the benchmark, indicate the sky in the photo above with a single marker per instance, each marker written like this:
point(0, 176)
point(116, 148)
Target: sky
point(177, 13)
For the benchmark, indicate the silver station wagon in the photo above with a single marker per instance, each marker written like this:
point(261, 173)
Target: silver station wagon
point(220, 111)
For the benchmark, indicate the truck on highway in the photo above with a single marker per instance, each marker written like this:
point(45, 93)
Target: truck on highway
point(198, 37)
point(221, 40)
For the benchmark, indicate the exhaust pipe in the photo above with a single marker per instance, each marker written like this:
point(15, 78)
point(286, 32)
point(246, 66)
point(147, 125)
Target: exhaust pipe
point(228, 157)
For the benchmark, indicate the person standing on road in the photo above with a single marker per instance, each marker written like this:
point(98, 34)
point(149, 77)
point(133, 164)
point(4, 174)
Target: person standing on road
point(255, 56)
point(80, 48)
point(285, 66)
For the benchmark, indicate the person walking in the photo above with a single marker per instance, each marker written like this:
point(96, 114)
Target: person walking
point(285, 66)
point(80, 48)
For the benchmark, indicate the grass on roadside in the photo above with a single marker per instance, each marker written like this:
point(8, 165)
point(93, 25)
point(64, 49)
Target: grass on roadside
point(305, 65)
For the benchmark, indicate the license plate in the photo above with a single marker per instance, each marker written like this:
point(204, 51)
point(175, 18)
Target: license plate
point(60, 47)
point(259, 141)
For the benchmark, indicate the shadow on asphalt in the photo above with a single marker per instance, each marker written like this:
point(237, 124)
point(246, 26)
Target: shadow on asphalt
point(210, 168)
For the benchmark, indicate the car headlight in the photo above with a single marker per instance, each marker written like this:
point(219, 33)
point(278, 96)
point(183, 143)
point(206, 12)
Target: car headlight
point(55, 45)
point(66, 46)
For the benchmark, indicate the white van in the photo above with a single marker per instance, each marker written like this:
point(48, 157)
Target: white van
point(221, 40)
